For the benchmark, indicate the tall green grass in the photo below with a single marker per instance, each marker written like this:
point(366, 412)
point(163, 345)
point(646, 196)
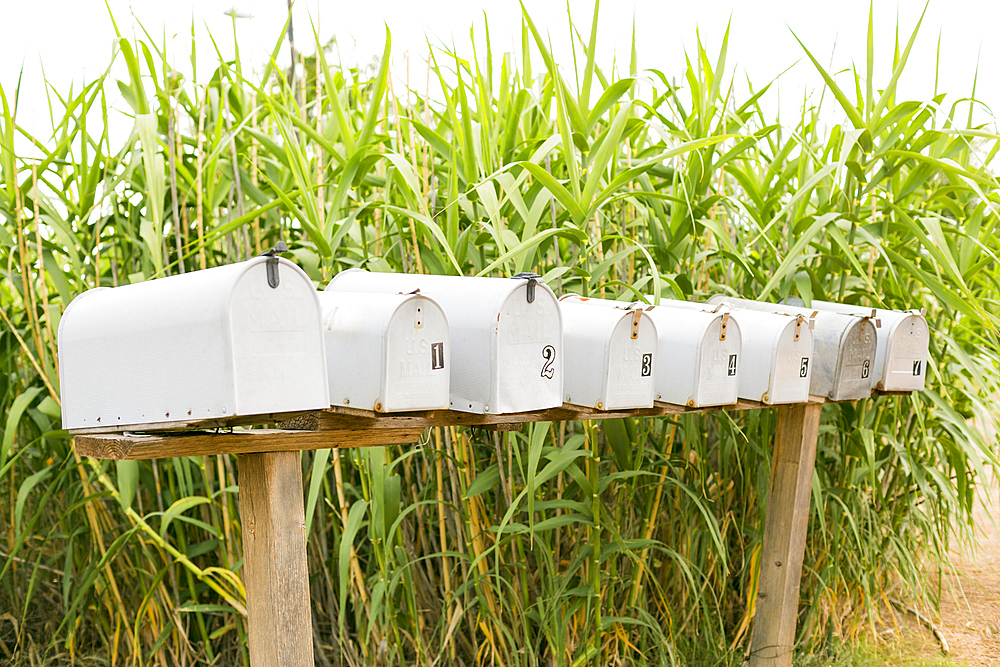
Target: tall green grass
point(626, 542)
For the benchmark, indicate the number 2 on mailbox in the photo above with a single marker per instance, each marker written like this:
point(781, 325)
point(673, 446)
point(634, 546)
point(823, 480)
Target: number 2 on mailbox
point(549, 354)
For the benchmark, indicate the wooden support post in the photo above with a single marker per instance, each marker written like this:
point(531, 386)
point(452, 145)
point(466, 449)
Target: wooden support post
point(275, 572)
point(794, 458)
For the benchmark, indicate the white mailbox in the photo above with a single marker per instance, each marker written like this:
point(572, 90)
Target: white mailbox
point(507, 352)
point(236, 340)
point(901, 352)
point(776, 354)
point(843, 349)
point(610, 355)
point(386, 352)
point(697, 354)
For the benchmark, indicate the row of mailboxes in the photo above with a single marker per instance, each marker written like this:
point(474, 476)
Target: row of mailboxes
point(507, 336)
point(256, 338)
point(776, 352)
point(697, 351)
point(843, 348)
point(903, 339)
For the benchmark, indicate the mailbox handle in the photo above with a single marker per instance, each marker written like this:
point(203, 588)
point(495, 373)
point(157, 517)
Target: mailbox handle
point(273, 279)
point(533, 279)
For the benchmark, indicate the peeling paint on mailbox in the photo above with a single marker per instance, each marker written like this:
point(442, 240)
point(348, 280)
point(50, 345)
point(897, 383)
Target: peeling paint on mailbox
point(506, 333)
point(209, 344)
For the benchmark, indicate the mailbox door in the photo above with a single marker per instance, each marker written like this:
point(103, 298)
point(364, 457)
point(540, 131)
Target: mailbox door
point(278, 347)
point(904, 359)
point(631, 365)
point(718, 364)
point(529, 352)
point(417, 358)
point(854, 376)
point(792, 359)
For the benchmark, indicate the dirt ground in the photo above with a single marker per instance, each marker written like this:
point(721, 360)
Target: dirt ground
point(970, 599)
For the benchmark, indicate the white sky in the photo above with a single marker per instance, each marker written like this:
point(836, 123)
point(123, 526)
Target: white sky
point(73, 40)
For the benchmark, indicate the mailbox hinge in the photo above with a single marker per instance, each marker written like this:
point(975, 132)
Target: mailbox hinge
point(725, 323)
point(636, 316)
point(272, 263)
point(532, 279)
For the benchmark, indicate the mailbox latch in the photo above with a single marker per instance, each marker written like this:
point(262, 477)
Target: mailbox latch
point(272, 263)
point(799, 319)
point(636, 315)
point(725, 323)
point(532, 279)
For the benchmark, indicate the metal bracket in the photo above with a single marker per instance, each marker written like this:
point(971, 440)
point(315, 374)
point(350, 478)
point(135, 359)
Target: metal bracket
point(273, 279)
point(532, 279)
point(725, 323)
point(636, 316)
point(799, 319)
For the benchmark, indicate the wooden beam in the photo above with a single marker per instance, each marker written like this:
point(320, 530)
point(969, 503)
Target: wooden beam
point(131, 446)
point(194, 424)
point(338, 418)
point(777, 605)
point(275, 571)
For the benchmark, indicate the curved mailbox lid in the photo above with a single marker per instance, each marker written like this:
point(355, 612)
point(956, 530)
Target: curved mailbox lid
point(698, 353)
point(903, 340)
point(610, 355)
point(386, 352)
point(506, 336)
point(776, 354)
point(843, 349)
point(203, 345)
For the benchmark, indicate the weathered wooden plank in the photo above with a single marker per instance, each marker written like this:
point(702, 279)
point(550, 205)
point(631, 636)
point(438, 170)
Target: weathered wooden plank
point(346, 418)
point(349, 418)
point(794, 458)
point(129, 446)
point(275, 571)
point(197, 424)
